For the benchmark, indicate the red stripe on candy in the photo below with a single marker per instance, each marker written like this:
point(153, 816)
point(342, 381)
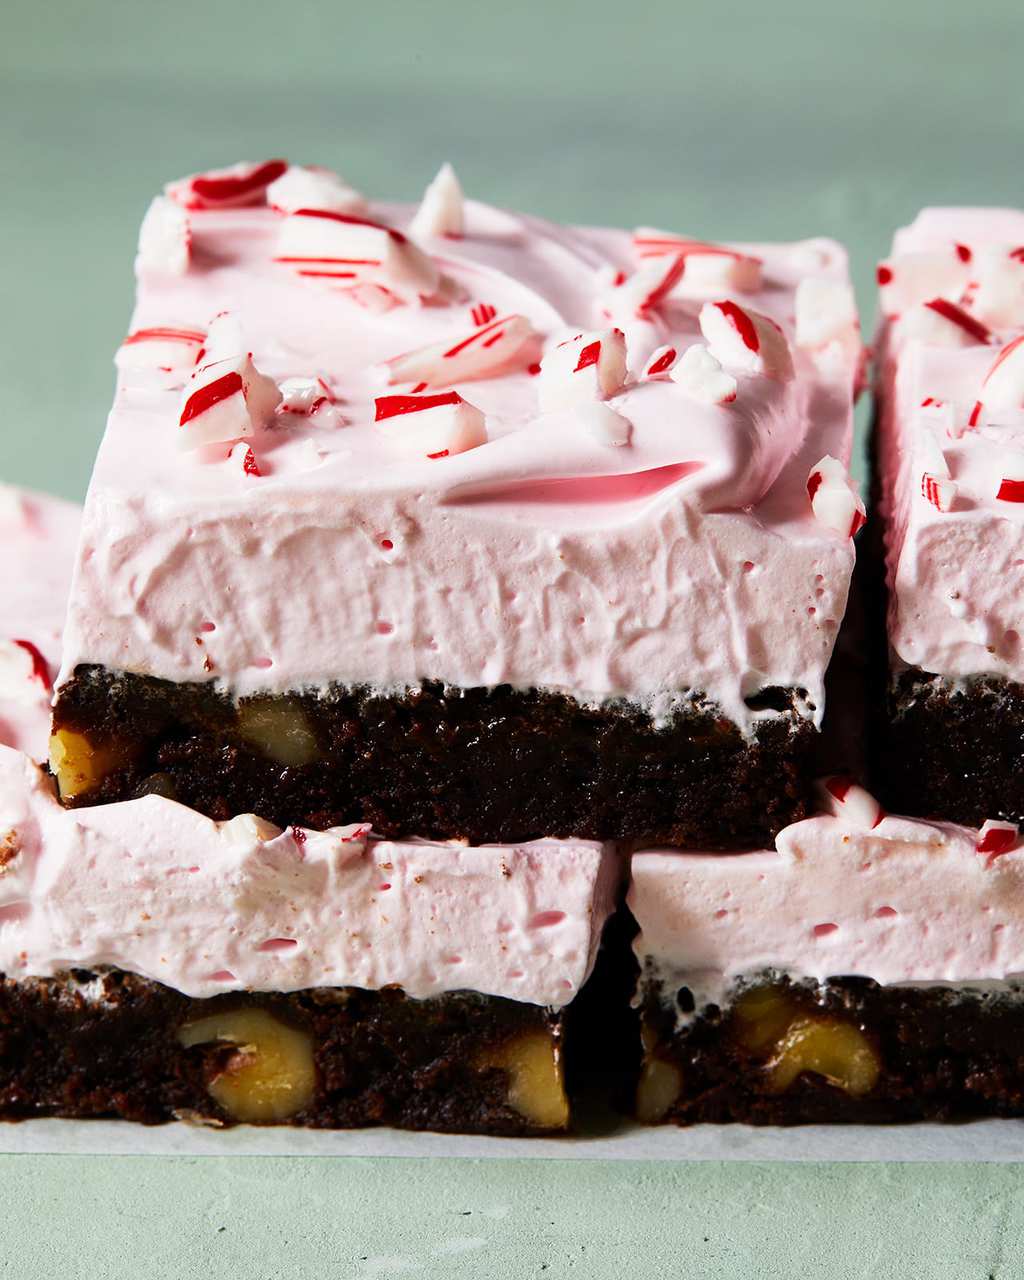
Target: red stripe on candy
point(40, 669)
point(212, 394)
point(590, 354)
point(351, 220)
point(956, 315)
point(663, 362)
point(1011, 491)
point(392, 406)
point(164, 335)
point(232, 187)
point(742, 323)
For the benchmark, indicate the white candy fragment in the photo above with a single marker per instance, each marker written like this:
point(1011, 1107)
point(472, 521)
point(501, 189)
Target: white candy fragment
point(910, 278)
point(1003, 387)
point(745, 340)
point(939, 490)
point(929, 455)
point(225, 400)
point(231, 188)
point(604, 424)
point(24, 673)
point(844, 798)
point(243, 459)
point(165, 240)
point(498, 347)
point(310, 187)
point(431, 426)
point(643, 291)
point(162, 348)
point(247, 829)
point(304, 395)
point(702, 377)
point(826, 311)
point(591, 366)
point(708, 268)
point(343, 251)
point(834, 500)
point(998, 295)
point(441, 210)
point(941, 323)
point(996, 838)
point(660, 363)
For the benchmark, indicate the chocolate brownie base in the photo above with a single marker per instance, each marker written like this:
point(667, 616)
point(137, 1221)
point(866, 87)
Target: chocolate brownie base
point(846, 1051)
point(483, 764)
point(111, 1044)
point(953, 749)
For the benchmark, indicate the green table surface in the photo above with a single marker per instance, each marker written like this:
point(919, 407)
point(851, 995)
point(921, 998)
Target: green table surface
point(728, 120)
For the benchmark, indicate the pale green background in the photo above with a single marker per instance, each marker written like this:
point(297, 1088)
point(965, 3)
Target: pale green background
point(747, 120)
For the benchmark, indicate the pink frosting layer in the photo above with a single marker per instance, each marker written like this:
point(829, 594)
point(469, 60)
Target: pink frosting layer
point(956, 574)
point(908, 901)
point(685, 559)
point(155, 888)
point(38, 536)
point(152, 887)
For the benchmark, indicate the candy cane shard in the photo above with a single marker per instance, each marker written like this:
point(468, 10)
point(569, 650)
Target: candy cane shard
point(504, 344)
point(305, 396)
point(745, 340)
point(604, 423)
point(231, 188)
point(344, 250)
point(441, 211)
point(591, 366)
point(826, 311)
point(942, 323)
point(242, 458)
point(939, 490)
point(702, 377)
point(842, 797)
point(707, 268)
point(165, 240)
point(1003, 385)
point(928, 452)
point(645, 290)
point(310, 187)
point(996, 838)
point(226, 400)
point(660, 363)
point(910, 278)
point(162, 348)
point(431, 426)
point(835, 501)
point(24, 672)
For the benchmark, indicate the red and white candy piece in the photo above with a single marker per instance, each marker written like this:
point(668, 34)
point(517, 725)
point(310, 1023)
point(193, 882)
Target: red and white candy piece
point(24, 672)
point(231, 188)
point(660, 363)
point(432, 426)
point(826, 311)
point(745, 340)
point(941, 323)
point(310, 187)
point(834, 500)
point(996, 838)
point(910, 278)
point(243, 459)
point(162, 348)
point(591, 366)
point(344, 250)
point(702, 377)
point(929, 455)
point(708, 268)
point(165, 240)
point(504, 344)
point(226, 400)
point(604, 424)
point(844, 798)
point(645, 290)
point(1003, 387)
point(304, 395)
point(939, 490)
point(441, 211)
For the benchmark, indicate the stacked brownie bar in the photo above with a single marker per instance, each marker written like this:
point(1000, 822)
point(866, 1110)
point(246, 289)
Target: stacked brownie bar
point(428, 552)
point(867, 967)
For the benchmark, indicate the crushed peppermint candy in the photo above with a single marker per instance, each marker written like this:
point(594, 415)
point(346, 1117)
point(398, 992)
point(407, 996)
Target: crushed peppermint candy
point(430, 426)
point(590, 366)
point(232, 188)
point(745, 340)
point(996, 838)
point(500, 346)
point(844, 798)
point(702, 377)
point(441, 211)
point(835, 501)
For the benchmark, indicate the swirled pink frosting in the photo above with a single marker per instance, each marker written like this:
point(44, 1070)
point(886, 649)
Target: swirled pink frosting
point(685, 559)
point(956, 571)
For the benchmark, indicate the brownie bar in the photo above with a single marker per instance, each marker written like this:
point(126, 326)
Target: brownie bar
point(107, 1043)
point(481, 764)
point(847, 1050)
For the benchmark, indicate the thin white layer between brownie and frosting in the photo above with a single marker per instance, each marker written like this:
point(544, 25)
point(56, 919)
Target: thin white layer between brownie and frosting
point(902, 901)
point(687, 558)
point(152, 887)
point(952, 441)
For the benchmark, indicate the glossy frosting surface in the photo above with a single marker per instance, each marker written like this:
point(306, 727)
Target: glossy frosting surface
point(685, 559)
point(956, 574)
